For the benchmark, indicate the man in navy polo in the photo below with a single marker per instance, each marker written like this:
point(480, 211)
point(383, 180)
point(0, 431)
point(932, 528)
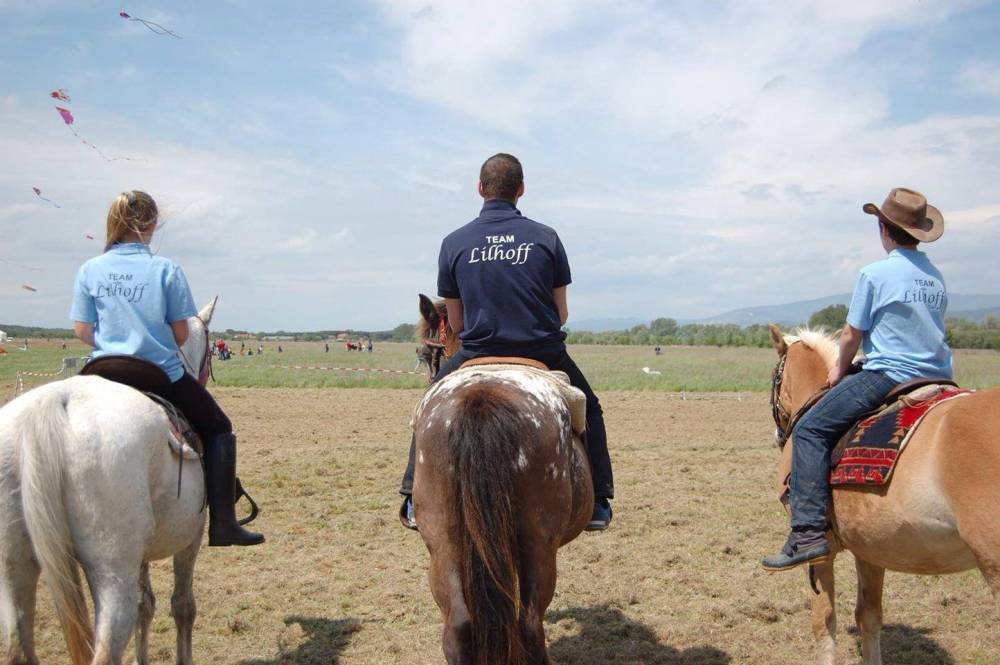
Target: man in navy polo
point(504, 278)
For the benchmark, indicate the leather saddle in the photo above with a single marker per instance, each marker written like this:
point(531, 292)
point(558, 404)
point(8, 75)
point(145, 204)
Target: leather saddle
point(504, 360)
point(575, 399)
point(141, 374)
point(904, 389)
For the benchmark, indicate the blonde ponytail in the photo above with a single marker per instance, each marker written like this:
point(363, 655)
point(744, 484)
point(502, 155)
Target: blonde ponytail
point(130, 212)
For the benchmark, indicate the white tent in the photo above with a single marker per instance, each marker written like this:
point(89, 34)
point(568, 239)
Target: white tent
point(3, 337)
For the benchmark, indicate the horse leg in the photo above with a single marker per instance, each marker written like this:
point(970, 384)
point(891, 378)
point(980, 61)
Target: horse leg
point(868, 612)
point(538, 585)
point(446, 587)
point(115, 587)
point(147, 608)
point(986, 548)
point(182, 605)
point(18, 581)
point(824, 613)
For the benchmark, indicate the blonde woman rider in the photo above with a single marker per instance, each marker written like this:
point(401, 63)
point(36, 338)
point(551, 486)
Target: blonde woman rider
point(127, 301)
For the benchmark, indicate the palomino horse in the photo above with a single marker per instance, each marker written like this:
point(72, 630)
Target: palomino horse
point(87, 478)
point(437, 341)
point(939, 514)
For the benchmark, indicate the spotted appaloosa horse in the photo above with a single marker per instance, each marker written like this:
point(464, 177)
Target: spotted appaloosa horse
point(501, 483)
point(437, 341)
point(939, 514)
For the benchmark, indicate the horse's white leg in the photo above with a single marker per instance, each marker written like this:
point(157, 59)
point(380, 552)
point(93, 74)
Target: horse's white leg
point(147, 608)
point(824, 614)
point(182, 605)
point(868, 612)
point(115, 587)
point(18, 581)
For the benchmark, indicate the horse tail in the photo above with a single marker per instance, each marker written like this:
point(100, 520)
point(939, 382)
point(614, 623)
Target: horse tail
point(483, 443)
point(45, 435)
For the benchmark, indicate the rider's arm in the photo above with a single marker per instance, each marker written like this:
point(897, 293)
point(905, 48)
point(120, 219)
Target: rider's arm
point(181, 331)
point(84, 332)
point(455, 315)
point(559, 295)
point(850, 341)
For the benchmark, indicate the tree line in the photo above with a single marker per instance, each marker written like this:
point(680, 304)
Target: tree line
point(961, 333)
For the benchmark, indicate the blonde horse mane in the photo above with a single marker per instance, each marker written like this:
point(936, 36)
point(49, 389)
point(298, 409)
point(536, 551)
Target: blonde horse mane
point(819, 341)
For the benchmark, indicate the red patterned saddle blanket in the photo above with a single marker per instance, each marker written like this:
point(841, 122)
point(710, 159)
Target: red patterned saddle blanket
point(867, 454)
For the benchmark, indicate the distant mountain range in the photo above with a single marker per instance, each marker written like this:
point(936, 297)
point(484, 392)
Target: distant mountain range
point(974, 307)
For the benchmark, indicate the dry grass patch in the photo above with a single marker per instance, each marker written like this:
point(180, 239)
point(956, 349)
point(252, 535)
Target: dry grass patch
point(675, 581)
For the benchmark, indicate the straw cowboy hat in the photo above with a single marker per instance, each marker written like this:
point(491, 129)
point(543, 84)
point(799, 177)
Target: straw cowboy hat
point(909, 211)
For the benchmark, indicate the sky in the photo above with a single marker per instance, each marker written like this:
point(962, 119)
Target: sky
point(308, 158)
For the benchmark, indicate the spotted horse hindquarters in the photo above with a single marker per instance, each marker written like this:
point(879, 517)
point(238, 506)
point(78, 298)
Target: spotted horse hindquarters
point(501, 483)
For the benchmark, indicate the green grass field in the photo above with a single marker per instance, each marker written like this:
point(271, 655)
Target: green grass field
point(691, 369)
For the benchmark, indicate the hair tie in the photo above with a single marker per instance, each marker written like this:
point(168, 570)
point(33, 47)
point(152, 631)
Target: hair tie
point(131, 198)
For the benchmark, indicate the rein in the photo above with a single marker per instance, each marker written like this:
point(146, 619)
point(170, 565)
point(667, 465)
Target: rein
point(785, 420)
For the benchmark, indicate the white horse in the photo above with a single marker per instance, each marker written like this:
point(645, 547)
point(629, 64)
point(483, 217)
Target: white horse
point(87, 478)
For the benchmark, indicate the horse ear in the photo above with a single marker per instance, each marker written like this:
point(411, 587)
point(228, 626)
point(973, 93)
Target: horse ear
point(777, 339)
point(206, 312)
point(428, 310)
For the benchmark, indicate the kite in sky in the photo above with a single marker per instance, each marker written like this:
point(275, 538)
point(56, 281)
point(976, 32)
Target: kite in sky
point(38, 193)
point(26, 287)
point(61, 94)
point(153, 27)
point(89, 237)
point(68, 118)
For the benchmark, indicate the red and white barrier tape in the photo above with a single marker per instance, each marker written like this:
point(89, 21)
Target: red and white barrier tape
point(19, 376)
point(377, 370)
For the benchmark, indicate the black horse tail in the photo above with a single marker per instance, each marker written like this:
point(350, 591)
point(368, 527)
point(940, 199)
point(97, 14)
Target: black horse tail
point(483, 443)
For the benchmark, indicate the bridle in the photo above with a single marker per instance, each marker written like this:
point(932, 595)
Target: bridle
point(205, 366)
point(437, 343)
point(782, 417)
point(785, 420)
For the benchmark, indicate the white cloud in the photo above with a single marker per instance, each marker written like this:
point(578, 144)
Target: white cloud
point(980, 78)
point(258, 231)
point(740, 139)
point(694, 157)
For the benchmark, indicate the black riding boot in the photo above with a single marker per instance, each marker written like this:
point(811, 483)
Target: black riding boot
point(220, 463)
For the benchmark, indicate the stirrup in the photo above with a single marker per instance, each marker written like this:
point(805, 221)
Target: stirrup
point(254, 510)
point(404, 518)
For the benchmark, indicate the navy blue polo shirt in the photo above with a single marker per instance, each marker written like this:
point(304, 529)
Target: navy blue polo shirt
point(504, 266)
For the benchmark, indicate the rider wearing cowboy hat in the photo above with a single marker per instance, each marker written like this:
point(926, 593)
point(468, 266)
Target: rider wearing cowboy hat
point(897, 318)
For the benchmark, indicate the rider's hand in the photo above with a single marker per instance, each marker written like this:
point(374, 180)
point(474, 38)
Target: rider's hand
point(835, 376)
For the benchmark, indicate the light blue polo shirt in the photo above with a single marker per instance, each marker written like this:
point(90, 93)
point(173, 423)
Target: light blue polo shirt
point(131, 297)
point(900, 303)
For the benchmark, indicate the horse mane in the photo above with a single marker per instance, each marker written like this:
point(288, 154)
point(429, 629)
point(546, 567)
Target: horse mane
point(819, 341)
point(421, 330)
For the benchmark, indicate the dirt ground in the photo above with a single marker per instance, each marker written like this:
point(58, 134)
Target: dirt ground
point(675, 581)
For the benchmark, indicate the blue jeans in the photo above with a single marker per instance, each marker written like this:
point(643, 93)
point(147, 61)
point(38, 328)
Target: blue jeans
point(815, 436)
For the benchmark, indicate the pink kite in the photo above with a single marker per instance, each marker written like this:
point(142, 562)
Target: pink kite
point(61, 94)
point(29, 288)
point(89, 237)
point(38, 193)
point(155, 28)
point(69, 119)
